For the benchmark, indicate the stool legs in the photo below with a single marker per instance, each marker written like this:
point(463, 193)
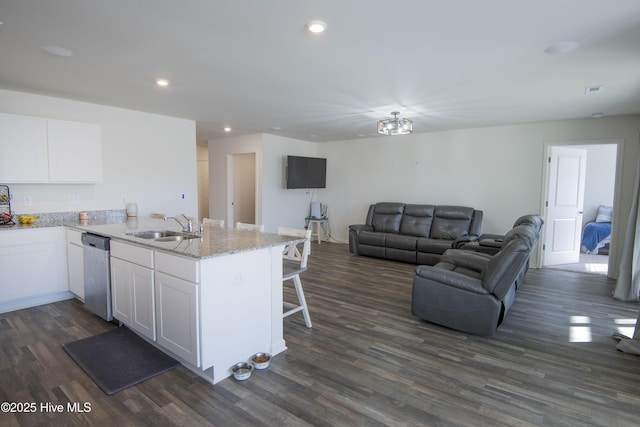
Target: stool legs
point(302, 303)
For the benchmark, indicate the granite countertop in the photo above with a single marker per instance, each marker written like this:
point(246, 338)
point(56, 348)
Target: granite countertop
point(215, 241)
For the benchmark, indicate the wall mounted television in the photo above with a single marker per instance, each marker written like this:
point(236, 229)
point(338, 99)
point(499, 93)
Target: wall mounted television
point(306, 172)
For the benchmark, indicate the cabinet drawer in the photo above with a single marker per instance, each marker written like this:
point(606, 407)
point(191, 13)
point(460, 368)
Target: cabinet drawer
point(176, 266)
point(74, 237)
point(135, 254)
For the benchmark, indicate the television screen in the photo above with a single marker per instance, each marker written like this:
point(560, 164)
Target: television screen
point(306, 172)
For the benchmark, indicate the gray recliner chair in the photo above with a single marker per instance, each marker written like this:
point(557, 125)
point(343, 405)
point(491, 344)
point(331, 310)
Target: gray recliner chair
point(470, 291)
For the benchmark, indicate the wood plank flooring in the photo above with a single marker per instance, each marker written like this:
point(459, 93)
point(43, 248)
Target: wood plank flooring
point(366, 362)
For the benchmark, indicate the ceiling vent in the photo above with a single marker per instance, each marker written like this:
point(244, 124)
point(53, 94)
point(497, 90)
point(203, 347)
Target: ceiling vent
point(592, 90)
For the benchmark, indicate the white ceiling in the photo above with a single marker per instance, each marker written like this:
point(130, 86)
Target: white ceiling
point(251, 65)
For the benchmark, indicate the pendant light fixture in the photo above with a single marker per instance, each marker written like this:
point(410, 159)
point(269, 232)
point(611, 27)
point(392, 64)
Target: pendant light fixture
point(395, 125)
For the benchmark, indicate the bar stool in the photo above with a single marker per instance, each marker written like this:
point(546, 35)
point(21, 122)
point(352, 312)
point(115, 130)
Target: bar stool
point(214, 222)
point(295, 263)
point(250, 227)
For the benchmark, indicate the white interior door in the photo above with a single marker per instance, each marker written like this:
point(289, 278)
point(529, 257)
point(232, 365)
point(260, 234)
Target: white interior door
point(565, 199)
point(241, 188)
point(244, 188)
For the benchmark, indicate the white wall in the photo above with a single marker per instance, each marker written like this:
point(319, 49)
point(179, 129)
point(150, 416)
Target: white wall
point(495, 169)
point(149, 159)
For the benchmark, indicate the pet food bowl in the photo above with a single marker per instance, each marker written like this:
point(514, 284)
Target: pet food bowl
point(242, 371)
point(261, 360)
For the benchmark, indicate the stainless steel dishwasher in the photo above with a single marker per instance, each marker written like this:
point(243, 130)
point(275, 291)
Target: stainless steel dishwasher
point(97, 275)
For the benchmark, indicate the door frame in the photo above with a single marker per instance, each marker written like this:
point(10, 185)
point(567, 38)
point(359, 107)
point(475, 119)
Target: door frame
point(616, 224)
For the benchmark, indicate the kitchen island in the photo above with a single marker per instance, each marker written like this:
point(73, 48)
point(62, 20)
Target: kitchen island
point(210, 301)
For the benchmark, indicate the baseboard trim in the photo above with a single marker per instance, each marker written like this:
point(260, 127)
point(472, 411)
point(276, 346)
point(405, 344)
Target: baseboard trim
point(34, 301)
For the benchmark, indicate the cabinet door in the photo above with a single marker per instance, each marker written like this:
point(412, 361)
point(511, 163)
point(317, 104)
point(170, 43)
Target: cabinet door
point(143, 301)
point(176, 316)
point(133, 297)
point(121, 290)
point(75, 152)
point(23, 144)
point(32, 263)
point(75, 262)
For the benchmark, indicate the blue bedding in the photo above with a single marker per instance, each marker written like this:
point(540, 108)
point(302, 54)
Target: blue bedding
point(593, 234)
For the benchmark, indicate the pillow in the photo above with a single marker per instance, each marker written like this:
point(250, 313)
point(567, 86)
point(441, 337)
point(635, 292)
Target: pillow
point(604, 213)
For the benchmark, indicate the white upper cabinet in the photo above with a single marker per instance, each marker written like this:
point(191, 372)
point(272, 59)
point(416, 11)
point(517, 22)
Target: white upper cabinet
point(37, 150)
point(23, 149)
point(75, 152)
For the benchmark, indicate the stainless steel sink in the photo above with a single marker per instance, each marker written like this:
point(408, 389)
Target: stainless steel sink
point(164, 235)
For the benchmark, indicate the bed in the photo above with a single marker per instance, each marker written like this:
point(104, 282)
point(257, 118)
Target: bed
point(596, 235)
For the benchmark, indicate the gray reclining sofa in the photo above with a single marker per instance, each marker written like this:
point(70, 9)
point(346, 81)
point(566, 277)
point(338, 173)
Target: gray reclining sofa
point(418, 234)
point(472, 291)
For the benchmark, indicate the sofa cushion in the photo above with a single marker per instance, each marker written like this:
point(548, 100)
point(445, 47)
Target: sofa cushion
point(399, 241)
point(451, 222)
point(434, 246)
point(402, 255)
point(416, 220)
point(387, 217)
point(372, 238)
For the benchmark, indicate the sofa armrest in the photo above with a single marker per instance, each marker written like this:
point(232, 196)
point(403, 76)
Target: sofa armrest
point(354, 230)
point(488, 236)
point(462, 240)
point(475, 261)
point(357, 228)
point(449, 278)
point(479, 247)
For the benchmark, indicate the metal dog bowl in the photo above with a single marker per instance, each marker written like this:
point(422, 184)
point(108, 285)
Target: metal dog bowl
point(261, 360)
point(242, 371)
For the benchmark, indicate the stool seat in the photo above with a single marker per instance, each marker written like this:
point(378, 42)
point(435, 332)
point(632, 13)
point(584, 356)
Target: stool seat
point(290, 269)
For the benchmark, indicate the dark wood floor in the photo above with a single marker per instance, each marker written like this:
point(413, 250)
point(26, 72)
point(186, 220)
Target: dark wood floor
point(366, 362)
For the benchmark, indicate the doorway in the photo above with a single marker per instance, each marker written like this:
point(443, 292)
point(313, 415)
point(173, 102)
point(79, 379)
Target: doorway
point(599, 189)
point(241, 188)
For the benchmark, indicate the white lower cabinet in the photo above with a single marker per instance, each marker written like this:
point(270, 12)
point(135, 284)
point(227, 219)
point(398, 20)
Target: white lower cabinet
point(177, 316)
point(33, 267)
point(75, 263)
point(133, 288)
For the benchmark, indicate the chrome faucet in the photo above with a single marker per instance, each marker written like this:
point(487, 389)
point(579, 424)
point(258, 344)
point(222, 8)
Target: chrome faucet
point(188, 227)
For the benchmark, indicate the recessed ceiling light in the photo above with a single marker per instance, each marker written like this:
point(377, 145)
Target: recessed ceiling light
point(58, 51)
point(227, 129)
point(316, 26)
point(597, 115)
point(162, 82)
point(276, 128)
point(560, 48)
point(313, 135)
